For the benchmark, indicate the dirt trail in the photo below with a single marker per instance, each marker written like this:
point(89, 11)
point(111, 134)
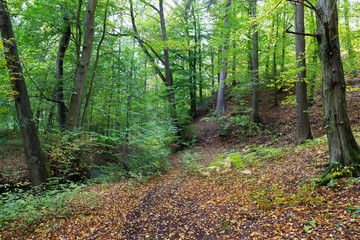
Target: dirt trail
point(273, 200)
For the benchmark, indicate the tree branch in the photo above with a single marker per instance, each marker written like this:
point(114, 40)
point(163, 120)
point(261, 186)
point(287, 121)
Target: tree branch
point(308, 5)
point(150, 5)
point(37, 87)
point(302, 34)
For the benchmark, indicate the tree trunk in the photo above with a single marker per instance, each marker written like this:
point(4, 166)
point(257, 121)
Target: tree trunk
point(167, 79)
point(34, 158)
point(343, 149)
point(303, 122)
point(95, 67)
point(220, 102)
point(313, 79)
point(212, 76)
point(193, 61)
point(80, 77)
point(349, 47)
point(234, 63)
point(63, 45)
point(168, 74)
point(255, 67)
point(274, 63)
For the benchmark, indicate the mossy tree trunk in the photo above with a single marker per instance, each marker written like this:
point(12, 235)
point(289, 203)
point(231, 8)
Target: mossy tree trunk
point(343, 149)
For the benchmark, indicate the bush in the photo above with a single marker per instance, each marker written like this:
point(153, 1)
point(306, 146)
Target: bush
point(65, 156)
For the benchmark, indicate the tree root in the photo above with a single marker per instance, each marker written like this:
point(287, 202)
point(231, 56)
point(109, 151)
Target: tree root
point(335, 171)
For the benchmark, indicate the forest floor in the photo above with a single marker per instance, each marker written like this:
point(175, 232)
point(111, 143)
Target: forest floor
point(269, 194)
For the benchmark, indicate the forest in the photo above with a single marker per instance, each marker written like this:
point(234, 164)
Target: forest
point(189, 119)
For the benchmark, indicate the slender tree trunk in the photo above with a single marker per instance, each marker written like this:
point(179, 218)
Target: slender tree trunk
point(212, 70)
point(34, 158)
point(255, 66)
point(49, 124)
point(193, 59)
point(80, 78)
point(63, 45)
point(282, 68)
point(303, 122)
point(274, 63)
point(167, 79)
point(234, 63)
point(109, 115)
point(78, 33)
point(168, 74)
point(268, 52)
point(95, 67)
point(343, 149)
point(312, 80)
point(220, 103)
point(348, 44)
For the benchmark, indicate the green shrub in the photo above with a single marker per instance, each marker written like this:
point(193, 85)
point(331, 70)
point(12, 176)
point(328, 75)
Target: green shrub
point(66, 158)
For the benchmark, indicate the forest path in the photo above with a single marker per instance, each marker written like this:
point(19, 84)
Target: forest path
point(272, 199)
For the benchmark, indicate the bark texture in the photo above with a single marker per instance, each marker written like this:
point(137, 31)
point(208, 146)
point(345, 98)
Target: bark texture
point(83, 118)
point(303, 122)
point(343, 149)
point(220, 102)
point(34, 157)
point(80, 77)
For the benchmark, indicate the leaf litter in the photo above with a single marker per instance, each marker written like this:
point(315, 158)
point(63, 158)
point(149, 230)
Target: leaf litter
point(276, 198)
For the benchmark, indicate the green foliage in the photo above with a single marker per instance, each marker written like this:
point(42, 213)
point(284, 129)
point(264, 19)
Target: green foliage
point(354, 210)
point(189, 135)
point(249, 157)
point(312, 223)
point(65, 159)
point(274, 195)
point(189, 161)
point(73, 155)
point(26, 210)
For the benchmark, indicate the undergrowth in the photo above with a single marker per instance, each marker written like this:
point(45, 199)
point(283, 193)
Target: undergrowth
point(26, 209)
point(249, 157)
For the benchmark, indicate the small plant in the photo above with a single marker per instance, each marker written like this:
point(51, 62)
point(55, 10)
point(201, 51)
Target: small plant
point(308, 228)
point(249, 157)
point(354, 210)
point(264, 198)
point(240, 124)
point(189, 161)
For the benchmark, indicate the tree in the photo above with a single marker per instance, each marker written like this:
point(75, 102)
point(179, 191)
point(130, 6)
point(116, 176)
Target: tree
point(220, 103)
point(95, 66)
point(165, 60)
point(343, 149)
point(33, 155)
point(303, 122)
point(63, 45)
point(349, 45)
point(80, 77)
point(255, 66)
